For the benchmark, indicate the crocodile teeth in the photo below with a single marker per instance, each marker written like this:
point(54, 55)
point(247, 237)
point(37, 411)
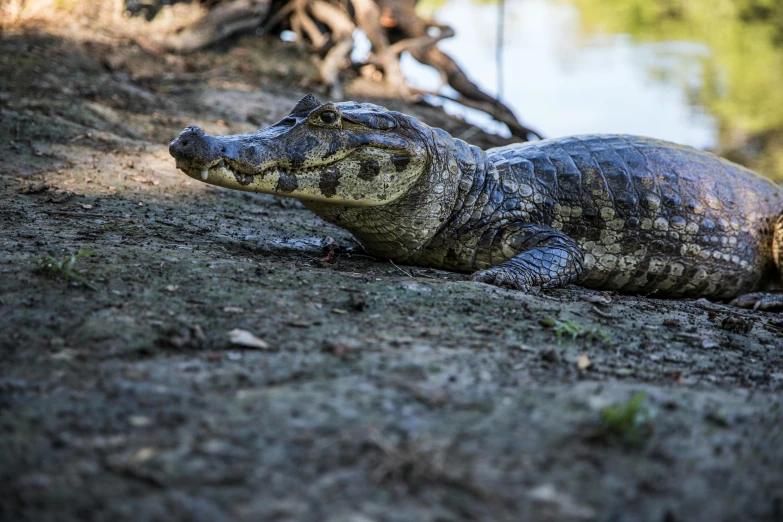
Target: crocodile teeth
point(204, 175)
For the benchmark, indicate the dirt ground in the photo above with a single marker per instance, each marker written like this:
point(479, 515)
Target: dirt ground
point(385, 393)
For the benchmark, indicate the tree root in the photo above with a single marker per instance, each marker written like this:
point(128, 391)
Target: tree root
point(327, 26)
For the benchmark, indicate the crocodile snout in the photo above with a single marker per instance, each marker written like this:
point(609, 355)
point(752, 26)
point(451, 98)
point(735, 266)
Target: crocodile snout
point(195, 148)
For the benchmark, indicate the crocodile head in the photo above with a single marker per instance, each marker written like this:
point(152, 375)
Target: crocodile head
point(345, 153)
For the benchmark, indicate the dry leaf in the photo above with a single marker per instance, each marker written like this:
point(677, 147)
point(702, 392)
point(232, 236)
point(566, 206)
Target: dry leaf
point(246, 339)
point(583, 362)
point(596, 299)
point(233, 309)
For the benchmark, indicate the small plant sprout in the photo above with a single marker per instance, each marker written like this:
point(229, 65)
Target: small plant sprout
point(569, 329)
point(627, 422)
point(55, 268)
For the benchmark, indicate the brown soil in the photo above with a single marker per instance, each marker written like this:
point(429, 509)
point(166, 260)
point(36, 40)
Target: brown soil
point(386, 394)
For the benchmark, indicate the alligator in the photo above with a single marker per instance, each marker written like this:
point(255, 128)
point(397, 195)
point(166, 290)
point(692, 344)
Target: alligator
point(612, 212)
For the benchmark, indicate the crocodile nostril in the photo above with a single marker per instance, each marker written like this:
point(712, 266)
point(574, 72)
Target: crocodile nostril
point(193, 146)
point(223, 150)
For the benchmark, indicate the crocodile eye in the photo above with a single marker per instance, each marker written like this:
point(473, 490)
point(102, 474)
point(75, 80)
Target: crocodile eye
point(328, 117)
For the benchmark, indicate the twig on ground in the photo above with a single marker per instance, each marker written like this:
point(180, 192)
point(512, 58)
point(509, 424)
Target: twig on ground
point(400, 269)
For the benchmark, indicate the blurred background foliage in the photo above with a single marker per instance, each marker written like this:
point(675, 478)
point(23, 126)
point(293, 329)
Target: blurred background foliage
point(745, 37)
point(743, 83)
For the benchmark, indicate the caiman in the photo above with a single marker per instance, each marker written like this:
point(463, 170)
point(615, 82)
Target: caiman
point(613, 212)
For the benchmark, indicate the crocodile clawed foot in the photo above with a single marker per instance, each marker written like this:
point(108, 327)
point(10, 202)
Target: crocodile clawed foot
point(759, 301)
point(501, 277)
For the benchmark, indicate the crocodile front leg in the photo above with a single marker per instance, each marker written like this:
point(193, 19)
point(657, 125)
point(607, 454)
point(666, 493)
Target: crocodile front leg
point(547, 258)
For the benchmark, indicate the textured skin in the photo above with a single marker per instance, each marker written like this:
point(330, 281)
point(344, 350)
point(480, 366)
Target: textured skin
point(647, 215)
point(614, 212)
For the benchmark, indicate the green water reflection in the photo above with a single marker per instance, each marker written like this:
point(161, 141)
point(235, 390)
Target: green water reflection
point(743, 83)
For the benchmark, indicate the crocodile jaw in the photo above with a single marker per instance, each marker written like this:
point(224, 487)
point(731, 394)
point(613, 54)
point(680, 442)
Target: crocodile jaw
point(366, 177)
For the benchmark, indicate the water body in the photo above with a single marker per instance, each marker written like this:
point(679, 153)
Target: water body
point(704, 73)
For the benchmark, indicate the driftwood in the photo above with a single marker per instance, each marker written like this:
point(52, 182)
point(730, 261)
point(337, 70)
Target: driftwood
point(327, 27)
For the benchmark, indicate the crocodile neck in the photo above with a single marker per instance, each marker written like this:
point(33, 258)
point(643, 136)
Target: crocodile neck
point(401, 230)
